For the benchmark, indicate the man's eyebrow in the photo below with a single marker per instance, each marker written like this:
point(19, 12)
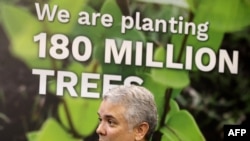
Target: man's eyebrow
point(106, 116)
point(109, 116)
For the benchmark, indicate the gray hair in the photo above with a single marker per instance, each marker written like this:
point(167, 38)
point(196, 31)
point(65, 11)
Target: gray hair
point(139, 103)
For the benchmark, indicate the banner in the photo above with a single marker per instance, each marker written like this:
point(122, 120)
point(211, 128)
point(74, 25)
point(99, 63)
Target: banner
point(58, 58)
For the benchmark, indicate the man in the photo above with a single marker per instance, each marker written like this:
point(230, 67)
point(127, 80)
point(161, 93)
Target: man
point(127, 113)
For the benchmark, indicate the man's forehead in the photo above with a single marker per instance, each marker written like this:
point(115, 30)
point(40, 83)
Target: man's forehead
point(109, 109)
point(107, 116)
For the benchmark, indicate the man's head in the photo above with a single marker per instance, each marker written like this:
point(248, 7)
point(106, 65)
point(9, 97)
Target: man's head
point(127, 113)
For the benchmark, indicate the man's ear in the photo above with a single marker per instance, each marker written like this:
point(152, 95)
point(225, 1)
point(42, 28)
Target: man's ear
point(141, 131)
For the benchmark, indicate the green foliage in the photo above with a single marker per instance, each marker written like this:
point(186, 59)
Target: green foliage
point(20, 34)
point(50, 131)
point(169, 77)
point(81, 113)
point(233, 17)
point(77, 117)
point(180, 125)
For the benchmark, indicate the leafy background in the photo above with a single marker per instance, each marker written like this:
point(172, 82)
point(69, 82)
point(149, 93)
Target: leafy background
point(192, 105)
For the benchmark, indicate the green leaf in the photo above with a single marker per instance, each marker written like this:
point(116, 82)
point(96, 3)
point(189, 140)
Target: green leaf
point(174, 108)
point(82, 112)
point(21, 36)
point(112, 8)
point(193, 4)
point(233, 16)
point(52, 131)
point(168, 135)
point(32, 136)
point(176, 92)
point(183, 126)
point(169, 77)
point(180, 125)
point(76, 67)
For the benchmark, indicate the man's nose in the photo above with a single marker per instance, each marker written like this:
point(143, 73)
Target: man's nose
point(100, 129)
